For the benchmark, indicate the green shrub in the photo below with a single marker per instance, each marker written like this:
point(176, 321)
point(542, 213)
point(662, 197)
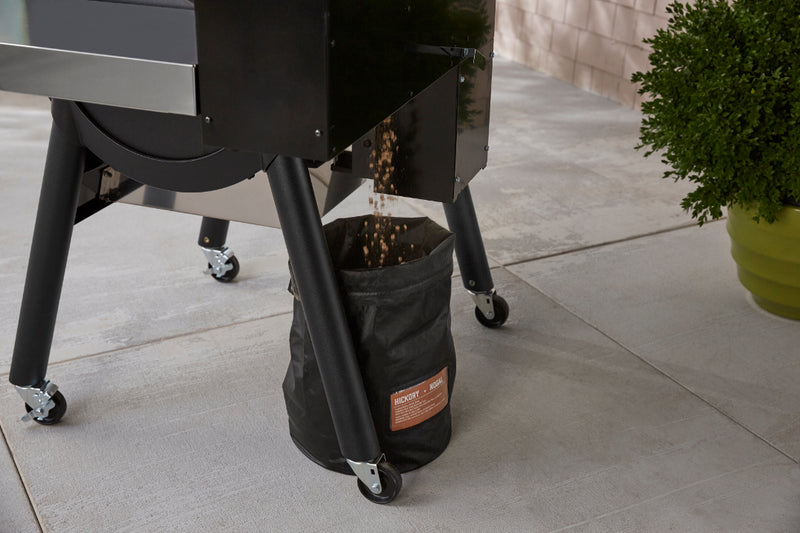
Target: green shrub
point(724, 108)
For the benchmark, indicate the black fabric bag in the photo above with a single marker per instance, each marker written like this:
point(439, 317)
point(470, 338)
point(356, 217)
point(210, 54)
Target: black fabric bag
point(399, 317)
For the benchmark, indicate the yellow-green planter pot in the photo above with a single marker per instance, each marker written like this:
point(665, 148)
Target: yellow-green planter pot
point(768, 258)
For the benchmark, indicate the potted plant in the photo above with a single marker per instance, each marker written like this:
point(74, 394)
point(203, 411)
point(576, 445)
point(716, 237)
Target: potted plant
point(723, 110)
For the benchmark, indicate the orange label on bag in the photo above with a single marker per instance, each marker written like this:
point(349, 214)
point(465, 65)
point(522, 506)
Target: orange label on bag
point(418, 403)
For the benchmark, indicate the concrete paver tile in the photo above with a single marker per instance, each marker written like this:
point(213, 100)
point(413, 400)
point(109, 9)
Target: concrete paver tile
point(675, 301)
point(554, 425)
point(16, 514)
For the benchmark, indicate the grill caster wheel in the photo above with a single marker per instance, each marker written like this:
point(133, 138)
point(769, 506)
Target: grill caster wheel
point(55, 414)
point(500, 313)
point(391, 481)
point(228, 276)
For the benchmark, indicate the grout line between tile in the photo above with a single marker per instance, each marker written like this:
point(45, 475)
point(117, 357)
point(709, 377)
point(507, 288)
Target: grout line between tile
point(657, 498)
point(161, 339)
point(22, 481)
point(607, 243)
point(658, 370)
point(5, 375)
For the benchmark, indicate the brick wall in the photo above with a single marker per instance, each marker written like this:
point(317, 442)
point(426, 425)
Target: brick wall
point(594, 44)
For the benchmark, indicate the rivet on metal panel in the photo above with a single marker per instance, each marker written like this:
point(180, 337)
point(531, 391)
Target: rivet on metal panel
point(318, 133)
point(207, 119)
point(461, 79)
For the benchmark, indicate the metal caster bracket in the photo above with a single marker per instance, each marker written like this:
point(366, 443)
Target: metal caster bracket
point(218, 260)
point(40, 399)
point(367, 472)
point(484, 302)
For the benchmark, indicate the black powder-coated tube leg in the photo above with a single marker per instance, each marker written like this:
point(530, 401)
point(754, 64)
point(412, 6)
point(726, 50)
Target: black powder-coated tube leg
point(155, 197)
point(315, 282)
point(471, 254)
point(49, 249)
point(213, 232)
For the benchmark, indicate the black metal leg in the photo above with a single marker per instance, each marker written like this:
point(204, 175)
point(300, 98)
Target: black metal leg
point(48, 258)
point(213, 232)
point(315, 282)
point(155, 197)
point(491, 310)
point(470, 252)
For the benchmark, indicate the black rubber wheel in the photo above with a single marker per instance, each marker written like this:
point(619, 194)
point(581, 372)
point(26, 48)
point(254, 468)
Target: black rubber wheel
point(55, 414)
point(391, 481)
point(230, 274)
point(500, 313)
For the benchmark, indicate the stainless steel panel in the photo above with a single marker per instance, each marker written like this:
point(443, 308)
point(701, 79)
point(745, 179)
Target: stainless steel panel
point(248, 201)
point(100, 79)
point(134, 56)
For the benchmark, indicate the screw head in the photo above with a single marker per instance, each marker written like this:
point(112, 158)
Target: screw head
point(486, 148)
point(317, 133)
point(472, 283)
point(206, 240)
point(461, 79)
point(207, 119)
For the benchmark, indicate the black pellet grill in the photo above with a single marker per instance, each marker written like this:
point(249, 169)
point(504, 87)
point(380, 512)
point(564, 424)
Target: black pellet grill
point(259, 111)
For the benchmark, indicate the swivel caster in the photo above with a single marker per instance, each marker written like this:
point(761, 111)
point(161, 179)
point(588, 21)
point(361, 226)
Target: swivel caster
point(378, 482)
point(222, 264)
point(491, 310)
point(44, 405)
